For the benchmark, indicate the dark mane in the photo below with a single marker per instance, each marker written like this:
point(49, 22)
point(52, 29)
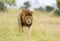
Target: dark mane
point(22, 17)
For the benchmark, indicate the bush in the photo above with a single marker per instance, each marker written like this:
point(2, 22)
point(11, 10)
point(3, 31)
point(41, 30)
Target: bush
point(39, 9)
point(49, 8)
point(27, 4)
point(57, 11)
point(2, 6)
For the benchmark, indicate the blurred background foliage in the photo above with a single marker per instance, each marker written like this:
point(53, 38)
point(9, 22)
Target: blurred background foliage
point(10, 2)
point(27, 4)
point(3, 4)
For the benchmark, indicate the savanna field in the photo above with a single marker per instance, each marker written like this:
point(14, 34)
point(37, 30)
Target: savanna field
point(45, 27)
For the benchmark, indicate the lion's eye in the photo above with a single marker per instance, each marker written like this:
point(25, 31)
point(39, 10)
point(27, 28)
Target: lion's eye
point(27, 18)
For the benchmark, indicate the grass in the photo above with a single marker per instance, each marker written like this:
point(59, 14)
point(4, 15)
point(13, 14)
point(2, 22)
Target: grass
point(44, 28)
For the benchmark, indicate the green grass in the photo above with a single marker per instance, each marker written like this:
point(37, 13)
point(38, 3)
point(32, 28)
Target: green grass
point(44, 28)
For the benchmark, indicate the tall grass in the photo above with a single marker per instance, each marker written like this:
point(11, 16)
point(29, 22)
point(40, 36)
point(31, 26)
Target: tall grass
point(44, 27)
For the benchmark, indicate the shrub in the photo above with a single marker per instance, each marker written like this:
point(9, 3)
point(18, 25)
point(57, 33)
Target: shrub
point(57, 12)
point(49, 8)
point(2, 6)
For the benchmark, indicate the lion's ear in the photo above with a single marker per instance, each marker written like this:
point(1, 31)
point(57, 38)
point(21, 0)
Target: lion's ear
point(31, 12)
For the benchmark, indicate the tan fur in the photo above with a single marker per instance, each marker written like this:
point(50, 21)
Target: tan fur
point(24, 17)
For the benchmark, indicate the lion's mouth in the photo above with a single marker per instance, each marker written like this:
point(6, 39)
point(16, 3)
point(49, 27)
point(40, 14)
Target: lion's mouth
point(28, 21)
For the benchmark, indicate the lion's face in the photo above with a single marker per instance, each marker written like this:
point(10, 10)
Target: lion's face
point(28, 20)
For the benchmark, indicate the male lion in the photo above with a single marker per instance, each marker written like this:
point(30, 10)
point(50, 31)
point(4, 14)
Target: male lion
point(25, 18)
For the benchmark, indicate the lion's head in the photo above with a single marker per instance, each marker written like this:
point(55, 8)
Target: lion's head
point(28, 20)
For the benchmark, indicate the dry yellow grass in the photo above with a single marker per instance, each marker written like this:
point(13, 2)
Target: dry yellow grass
point(45, 27)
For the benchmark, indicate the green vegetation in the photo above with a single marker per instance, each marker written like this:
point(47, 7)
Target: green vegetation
point(10, 2)
point(49, 8)
point(39, 9)
point(58, 3)
point(58, 10)
point(44, 28)
point(27, 4)
point(2, 6)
